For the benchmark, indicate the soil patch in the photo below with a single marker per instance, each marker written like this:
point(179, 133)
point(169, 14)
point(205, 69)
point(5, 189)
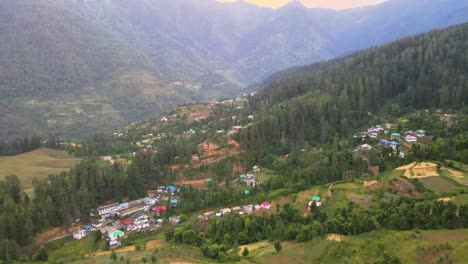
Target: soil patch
point(364, 201)
point(335, 237)
point(406, 167)
point(253, 247)
point(154, 243)
point(405, 187)
point(448, 236)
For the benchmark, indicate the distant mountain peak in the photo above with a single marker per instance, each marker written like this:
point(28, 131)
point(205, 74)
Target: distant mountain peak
point(294, 4)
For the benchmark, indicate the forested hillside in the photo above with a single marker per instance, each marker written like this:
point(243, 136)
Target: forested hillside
point(295, 138)
point(314, 103)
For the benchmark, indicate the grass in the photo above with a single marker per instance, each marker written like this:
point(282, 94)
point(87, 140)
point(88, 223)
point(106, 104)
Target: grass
point(265, 174)
point(370, 248)
point(36, 164)
point(461, 199)
point(166, 253)
point(72, 250)
point(437, 184)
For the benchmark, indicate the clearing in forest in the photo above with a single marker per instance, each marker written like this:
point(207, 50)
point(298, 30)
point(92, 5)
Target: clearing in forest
point(38, 163)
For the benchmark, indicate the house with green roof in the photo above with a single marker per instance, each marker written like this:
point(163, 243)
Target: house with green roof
point(116, 234)
point(420, 133)
point(316, 198)
point(395, 136)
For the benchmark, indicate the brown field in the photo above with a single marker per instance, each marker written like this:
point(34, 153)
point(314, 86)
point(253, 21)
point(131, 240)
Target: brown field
point(38, 163)
point(419, 170)
point(404, 187)
point(406, 167)
point(364, 201)
point(149, 245)
point(193, 112)
point(196, 183)
point(254, 246)
point(446, 236)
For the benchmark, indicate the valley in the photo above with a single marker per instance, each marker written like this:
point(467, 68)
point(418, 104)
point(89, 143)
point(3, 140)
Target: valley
point(99, 65)
point(138, 143)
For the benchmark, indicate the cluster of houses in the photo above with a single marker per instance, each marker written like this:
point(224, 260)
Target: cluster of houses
point(249, 179)
point(377, 131)
point(136, 222)
point(134, 216)
point(241, 210)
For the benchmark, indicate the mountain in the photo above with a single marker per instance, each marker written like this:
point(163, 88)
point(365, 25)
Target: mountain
point(312, 104)
point(82, 66)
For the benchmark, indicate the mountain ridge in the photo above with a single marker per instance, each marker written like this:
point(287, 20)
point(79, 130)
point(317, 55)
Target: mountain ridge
point(93, 65)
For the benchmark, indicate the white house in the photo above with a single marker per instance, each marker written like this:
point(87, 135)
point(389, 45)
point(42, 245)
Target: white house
point(366, 147)
point(409, 138)
point(79, 234)
point(226, 211)
point(107, 208)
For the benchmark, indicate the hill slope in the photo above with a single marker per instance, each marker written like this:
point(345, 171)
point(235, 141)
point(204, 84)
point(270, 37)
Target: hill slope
point(81, 66)
point(313, 103)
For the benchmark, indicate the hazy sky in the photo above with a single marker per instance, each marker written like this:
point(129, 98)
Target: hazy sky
point(333, 4)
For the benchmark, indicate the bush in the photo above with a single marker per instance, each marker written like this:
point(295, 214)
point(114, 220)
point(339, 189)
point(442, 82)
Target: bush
point(278, 246)
point(245, 252)
point(41, 255)
point(189, 237)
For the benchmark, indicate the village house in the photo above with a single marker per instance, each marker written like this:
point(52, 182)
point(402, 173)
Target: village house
point(174, 202)
point(79, 234)
point(366, 147)
point(394, 145)
point(116, 234)
point(107, 208)
point(411, 133)
point(256, 168)
point(171, 189)
point(384, 142)
point(420, 133)
point(248, 208)
point(395, 136)
point(140, 221)
point(160, 209)
point(226, 211)
point(149, 201)
point(208, 214)
point(195, 158)
point(123, 206)
point(236, 209)
point(127, 222)
point(409, 138)
point(113, 244)
point(266, 205)
point(174, 219)
point(164, 119)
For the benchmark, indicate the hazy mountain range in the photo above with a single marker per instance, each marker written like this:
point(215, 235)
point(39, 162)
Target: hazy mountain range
point(80, 66)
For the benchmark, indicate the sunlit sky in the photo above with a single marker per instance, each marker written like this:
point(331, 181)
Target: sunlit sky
point(332, 4)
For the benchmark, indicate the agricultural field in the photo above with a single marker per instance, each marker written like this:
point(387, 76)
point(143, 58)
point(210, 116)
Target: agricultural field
point(428, 247)
point(36, 164)
point(195, 112)
point(437, 184)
